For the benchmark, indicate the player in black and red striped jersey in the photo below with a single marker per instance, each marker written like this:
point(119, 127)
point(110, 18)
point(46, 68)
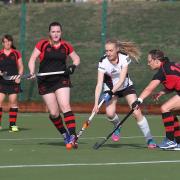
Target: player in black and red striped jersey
point(55, 89)
point(10, 62)
point(169, 75)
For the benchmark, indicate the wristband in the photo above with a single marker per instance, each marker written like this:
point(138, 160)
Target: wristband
point(140, 100)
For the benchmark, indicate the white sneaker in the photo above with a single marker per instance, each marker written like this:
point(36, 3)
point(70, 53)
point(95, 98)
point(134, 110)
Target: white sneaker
point(177, 148)
point(13, 129)
point(167, 144)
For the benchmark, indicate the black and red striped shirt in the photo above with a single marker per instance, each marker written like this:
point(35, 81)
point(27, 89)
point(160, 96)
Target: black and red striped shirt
point(9, 63)
point(169, 75)
point(53, 58)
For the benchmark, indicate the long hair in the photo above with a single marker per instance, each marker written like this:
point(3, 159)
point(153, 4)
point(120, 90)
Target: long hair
point(131, 49)
point(127, 47)
point(158, 54)
point(9, 38)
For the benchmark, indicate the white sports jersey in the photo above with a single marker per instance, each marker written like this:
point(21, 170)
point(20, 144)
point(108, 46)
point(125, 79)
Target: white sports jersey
point(112, 72)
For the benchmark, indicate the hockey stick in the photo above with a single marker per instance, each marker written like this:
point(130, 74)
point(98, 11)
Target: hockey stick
point(14, 77)
point(26, 76)
point(87, 122)
point(98, 145)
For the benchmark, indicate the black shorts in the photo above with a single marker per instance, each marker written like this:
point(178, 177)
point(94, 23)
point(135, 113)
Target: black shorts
point(46, 87)
point(10, 88)
point(125, 92)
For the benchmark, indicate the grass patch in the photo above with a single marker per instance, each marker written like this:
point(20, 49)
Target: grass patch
point(38, 145)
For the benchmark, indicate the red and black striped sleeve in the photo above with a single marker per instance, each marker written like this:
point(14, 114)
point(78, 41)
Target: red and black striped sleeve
point(18, 54)
point(69, 48)
point(41, 44)
point(159, 75)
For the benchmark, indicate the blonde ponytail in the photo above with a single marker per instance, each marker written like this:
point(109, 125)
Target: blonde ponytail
point(129, 48)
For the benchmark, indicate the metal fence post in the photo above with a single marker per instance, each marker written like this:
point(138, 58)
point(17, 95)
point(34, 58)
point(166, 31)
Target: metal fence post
point(103, 25)
point(22, 39)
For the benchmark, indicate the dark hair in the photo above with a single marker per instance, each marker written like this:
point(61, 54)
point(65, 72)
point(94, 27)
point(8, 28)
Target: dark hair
point(9, 38)
point(158, 54)
point(55, 24)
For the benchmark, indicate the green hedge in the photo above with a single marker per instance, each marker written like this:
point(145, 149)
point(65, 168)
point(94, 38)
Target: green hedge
point(149, 24)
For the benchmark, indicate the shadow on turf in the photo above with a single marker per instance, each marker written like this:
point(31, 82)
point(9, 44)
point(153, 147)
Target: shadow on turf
point(20, 129)
point(56, 143)
point(137, 146)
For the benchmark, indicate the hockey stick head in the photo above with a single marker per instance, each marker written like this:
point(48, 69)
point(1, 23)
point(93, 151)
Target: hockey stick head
point(6, 77)
point(14, 77)
point(10, 78)
point(98, 145)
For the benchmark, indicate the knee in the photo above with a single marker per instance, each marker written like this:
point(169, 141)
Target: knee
point(65, 107)
point(137, 114)
point(110, 112)
point(54, 113)
point(13, 103)
point(53, 116)
point(114, 118)
point(164, 108)
point(110, 115)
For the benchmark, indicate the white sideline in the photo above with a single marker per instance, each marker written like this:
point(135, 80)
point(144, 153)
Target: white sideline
point(87, 164)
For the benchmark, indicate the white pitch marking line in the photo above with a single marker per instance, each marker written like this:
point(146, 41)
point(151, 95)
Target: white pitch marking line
point(87, 164)
point(88, 138)
point(84, 115)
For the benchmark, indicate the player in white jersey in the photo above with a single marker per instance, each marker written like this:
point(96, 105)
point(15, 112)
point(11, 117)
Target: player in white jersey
point(114, 81)
point(112, 72)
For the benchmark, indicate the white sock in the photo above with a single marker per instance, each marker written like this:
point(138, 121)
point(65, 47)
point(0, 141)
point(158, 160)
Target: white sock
point(144, 126)
point(115, 120)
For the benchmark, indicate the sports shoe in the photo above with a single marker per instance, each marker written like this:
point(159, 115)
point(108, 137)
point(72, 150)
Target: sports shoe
point(66, 138)
point(116, 135)
point(151, 144)
point(177, 148)
point(167, 144)
point(13, 128)
point(73, 141)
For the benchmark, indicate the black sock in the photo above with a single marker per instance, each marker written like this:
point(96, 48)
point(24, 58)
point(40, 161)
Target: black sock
point(1, 115)
point(168, 120)
point(69, 119)
point(57, 121)
point(176, 129)
point(13, 116)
